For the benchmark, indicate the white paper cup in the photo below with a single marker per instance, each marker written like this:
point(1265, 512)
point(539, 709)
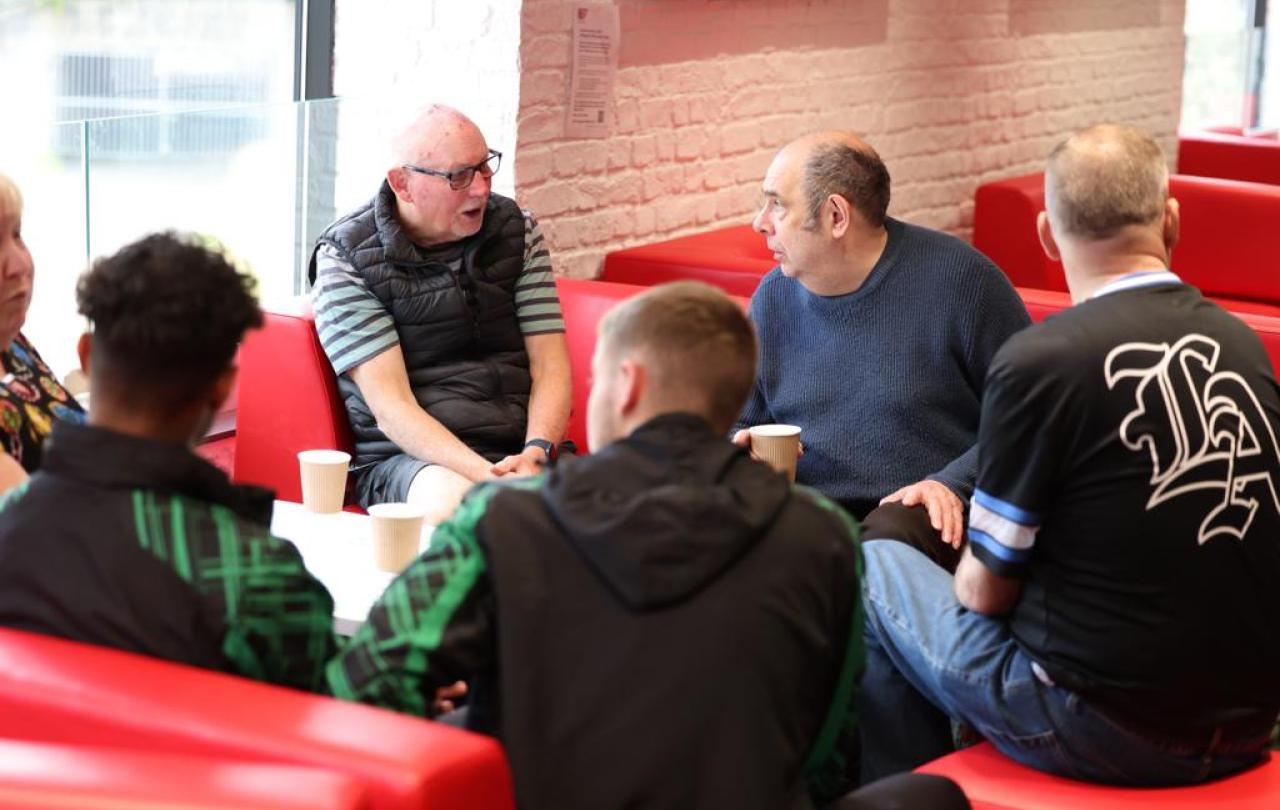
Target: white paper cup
point(324, 479)
point(397, 530)
point(778, 446)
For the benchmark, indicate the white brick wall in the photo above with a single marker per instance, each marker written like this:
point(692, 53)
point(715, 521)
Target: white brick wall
point(950, 94)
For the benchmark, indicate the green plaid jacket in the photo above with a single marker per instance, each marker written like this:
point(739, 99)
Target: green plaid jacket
point(143, 546)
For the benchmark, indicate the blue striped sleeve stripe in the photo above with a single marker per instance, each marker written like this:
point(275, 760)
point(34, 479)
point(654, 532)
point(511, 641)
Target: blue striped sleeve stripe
point(1007, 510)
point(993, 547)
point(1000, 535)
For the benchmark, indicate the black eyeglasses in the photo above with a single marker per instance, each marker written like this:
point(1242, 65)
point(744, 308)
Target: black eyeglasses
point(462, 178)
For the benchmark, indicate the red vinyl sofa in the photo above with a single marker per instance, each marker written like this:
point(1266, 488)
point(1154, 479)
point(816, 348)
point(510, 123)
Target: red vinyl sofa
point(994, 782)
point(1229, 154)
point(1227, 247)
point(733, 259)
point(63, 693)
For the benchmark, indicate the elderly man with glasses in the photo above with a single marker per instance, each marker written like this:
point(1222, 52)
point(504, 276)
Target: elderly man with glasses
point(435, 303)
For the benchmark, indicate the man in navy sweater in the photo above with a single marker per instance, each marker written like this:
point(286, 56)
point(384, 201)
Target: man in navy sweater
point(875, 337)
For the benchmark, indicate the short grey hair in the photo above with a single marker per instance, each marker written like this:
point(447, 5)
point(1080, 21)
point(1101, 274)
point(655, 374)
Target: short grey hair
point(1103, 179)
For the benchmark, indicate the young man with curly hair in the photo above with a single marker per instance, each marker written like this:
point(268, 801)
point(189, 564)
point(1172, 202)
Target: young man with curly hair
point(128, 539)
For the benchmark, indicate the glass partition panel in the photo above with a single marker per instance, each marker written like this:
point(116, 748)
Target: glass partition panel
point(226, 174)
point(86, 59)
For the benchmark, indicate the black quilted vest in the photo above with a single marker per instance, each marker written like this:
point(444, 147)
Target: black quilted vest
point(461, 341)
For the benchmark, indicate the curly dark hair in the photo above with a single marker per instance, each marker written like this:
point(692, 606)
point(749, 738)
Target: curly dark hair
point(167, 314)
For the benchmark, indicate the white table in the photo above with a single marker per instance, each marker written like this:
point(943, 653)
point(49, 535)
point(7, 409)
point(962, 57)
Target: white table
point(338, 551)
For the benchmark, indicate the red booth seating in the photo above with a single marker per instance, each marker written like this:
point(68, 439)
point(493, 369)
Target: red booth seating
point(41, 775)
point(1043, 303)
point(1230, 155)
point(584, 303)
point(1226, 248)
point(993, 781)
point(58, 691)
point(733, 259)
point(288, 398)
point(287, 402)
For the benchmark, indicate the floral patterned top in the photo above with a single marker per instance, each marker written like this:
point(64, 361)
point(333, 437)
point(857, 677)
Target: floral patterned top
point(30, 399)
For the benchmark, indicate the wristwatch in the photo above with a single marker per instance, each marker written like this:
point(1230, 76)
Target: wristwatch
point(543, 445)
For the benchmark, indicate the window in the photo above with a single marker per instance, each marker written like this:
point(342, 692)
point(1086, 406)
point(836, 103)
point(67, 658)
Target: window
point(139, 115)
point(1232, 74)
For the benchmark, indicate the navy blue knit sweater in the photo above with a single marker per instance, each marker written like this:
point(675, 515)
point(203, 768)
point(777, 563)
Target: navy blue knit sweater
point(886, 381)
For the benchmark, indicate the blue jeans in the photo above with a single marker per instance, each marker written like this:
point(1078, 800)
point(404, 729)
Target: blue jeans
point(927, 657)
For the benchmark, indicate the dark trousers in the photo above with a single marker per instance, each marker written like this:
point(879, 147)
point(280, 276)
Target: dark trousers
point(910, 525)
point(906, 791)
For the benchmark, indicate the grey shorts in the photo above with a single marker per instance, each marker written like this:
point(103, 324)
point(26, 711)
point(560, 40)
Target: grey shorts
point(387, 481)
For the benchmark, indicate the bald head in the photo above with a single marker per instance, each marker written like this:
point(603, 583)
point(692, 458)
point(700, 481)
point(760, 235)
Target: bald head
point(838, 162)
point(432, 133)
point(1104, 179)
point(439, 143)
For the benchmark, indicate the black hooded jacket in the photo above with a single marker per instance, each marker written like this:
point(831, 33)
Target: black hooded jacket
point(663, 624)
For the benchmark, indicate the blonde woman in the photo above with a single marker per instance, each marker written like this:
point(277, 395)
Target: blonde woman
point(31, 397)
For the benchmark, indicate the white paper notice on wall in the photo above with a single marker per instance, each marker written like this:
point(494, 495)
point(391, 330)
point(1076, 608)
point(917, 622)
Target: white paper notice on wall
point(595, 61)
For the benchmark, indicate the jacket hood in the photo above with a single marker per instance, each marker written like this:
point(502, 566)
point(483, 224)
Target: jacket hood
point(660, 514)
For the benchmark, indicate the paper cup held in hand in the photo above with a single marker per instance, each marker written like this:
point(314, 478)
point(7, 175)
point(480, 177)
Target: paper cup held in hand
point(397, 530)
point(778, 446)
point(324, 479)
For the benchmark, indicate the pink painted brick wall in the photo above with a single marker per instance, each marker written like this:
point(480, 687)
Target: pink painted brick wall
point(951, 92)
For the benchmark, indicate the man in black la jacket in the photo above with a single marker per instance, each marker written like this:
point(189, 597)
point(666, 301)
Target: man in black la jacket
point(666, 623)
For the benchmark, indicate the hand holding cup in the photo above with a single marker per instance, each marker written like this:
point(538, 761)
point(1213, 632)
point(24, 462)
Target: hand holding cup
point(776, 445)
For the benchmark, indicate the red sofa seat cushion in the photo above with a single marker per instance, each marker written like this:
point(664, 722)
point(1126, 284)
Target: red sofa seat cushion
point(52, 690)
point(733, 259)
point(288, 401)
point(1255, 158)
point(992, 780)
point(1225, 249)
point(42, 775)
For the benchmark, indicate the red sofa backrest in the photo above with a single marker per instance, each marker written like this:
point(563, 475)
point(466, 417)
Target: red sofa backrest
point(733, 259)
point(1228, 247)
point(1231, 156)
point(52, 690)
point(1266, 325)
point(288, 401)
point(584, 303)
point(1225, 247)
point(42, 775)
point(1004, 228)
point(1041, 304)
